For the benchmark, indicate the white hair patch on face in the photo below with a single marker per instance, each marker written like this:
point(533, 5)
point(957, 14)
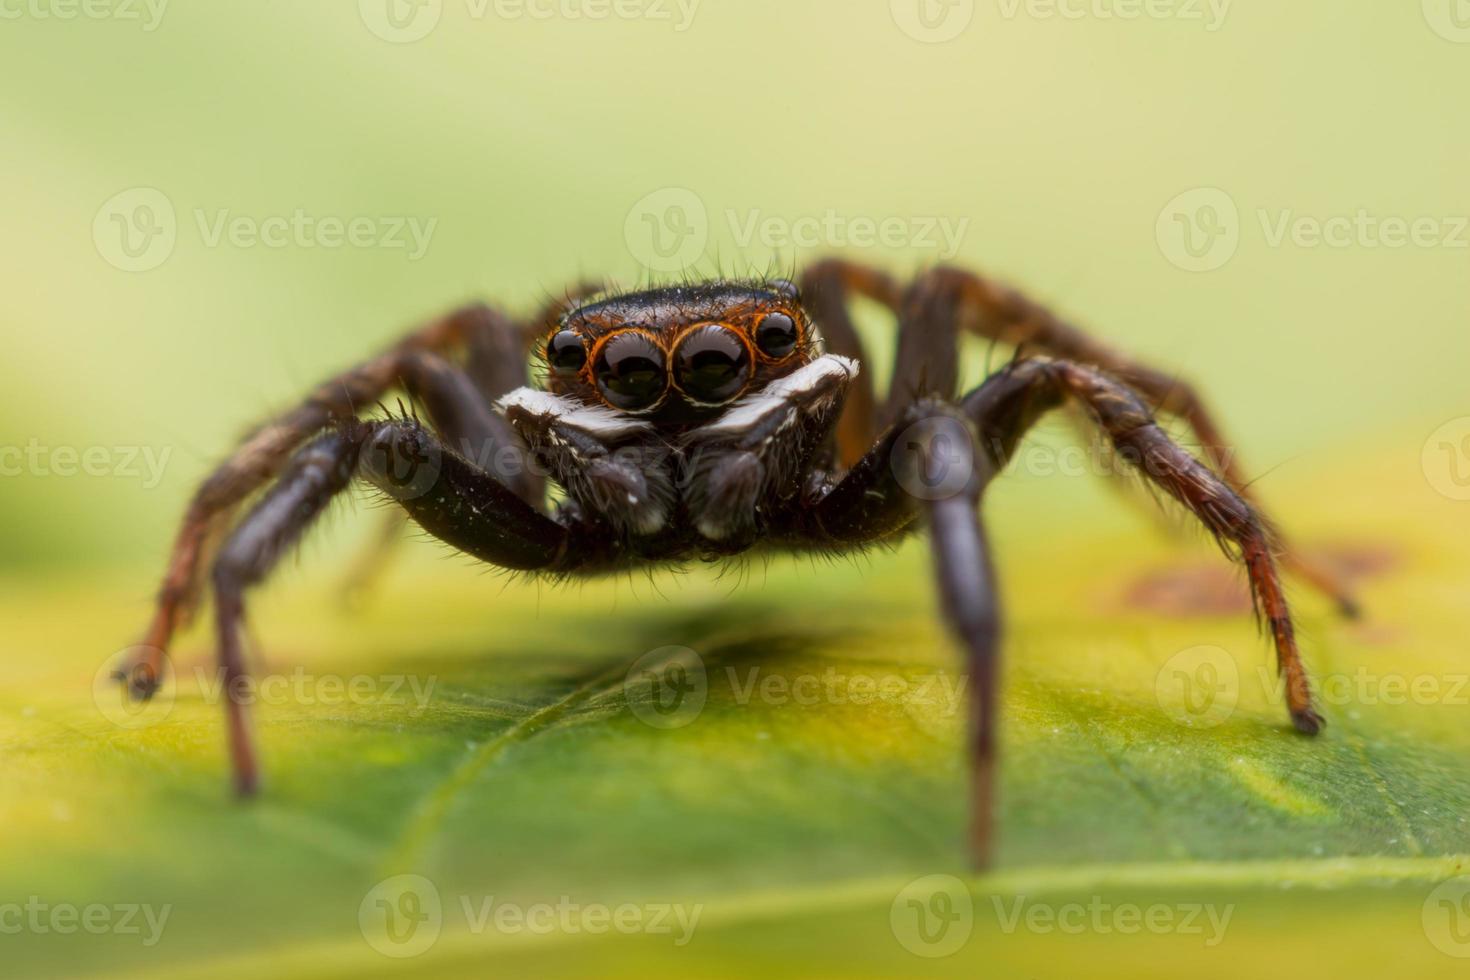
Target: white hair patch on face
point(829, 370)
point(592, 419)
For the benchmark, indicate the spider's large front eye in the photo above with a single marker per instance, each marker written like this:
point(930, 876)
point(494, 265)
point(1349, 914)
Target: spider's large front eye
point(630, 371)
point(776, 335)
point(565, 352)
point(712, 364)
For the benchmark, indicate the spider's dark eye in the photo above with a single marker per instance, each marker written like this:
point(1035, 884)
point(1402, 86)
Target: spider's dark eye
point(712, 364)
point(630, 371)
point(565, 352)
point(775, 335)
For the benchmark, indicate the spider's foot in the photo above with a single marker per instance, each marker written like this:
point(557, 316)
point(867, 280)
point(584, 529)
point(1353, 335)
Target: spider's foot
point(139, 679)
point(247, 784)
point(1307, 721)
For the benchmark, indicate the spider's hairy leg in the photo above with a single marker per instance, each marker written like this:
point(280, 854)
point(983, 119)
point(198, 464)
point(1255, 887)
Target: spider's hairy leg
point(259, 458)
point(458, 400)
point(884, 495)
point(827, 289)
point(890, 490)
point(1005, 407)
point(972, 302)
point(447, 495)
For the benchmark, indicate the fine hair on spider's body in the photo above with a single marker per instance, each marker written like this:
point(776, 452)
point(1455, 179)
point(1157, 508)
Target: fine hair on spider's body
point(696, 422)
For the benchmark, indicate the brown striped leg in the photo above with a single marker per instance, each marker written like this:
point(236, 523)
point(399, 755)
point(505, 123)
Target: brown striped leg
point(1006, 406)
point(827, 289)
point(1008, 315)
point(968, 301)
point(258, 459)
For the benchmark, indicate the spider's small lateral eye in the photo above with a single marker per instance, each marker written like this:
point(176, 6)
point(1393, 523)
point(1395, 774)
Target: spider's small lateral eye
point(566, 352)
point(630, 371)
point(776, 335)
point(786, 288)
point(712, 364)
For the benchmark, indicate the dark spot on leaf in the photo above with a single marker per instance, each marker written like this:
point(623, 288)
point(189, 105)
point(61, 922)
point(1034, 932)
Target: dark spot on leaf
point(1214, 589)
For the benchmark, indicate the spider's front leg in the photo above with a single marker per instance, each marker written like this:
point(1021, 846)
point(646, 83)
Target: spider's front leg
point(908, 475)
point(416, 363)
point(448, 496)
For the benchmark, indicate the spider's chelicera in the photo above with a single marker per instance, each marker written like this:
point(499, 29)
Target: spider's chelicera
point(697, 422)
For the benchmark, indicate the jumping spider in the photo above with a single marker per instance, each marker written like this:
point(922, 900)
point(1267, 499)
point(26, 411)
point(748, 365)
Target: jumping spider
point(699, 421)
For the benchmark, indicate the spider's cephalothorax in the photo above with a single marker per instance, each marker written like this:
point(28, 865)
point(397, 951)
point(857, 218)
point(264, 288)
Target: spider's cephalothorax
point(679, 417)
point(699, 421)
point(677, 355)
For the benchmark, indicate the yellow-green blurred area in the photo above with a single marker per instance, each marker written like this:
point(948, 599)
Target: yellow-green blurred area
point(1268, 199)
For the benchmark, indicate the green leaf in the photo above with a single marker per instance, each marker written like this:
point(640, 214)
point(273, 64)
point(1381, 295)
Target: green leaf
point(819, 780)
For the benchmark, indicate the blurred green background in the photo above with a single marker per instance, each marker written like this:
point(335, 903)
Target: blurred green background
point(1157, 177)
